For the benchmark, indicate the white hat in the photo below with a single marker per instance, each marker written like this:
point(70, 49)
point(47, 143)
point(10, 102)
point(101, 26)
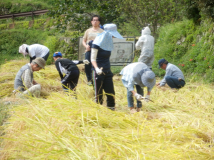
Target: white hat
point(148, 79)
point(22, 49)
point(112, 29)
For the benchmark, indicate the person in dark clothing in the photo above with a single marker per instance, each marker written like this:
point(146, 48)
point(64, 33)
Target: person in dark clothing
point(88, 70)
point(100, 55)
point(70, 69)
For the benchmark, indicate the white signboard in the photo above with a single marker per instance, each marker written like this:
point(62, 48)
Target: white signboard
point(122, 54)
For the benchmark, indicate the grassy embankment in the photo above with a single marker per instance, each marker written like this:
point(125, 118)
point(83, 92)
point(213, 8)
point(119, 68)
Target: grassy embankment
point(176, 126)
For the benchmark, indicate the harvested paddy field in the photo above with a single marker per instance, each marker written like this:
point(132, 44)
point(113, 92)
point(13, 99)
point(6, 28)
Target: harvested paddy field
point(178, 125)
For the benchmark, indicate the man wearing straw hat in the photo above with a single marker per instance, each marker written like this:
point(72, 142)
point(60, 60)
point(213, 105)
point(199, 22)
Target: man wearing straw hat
point(139, 75)
point(34, 51)
point(24, 83)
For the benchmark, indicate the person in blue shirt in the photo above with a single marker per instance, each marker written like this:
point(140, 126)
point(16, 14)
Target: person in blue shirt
point(100, 59)
point(173, 77)
point(137, 74)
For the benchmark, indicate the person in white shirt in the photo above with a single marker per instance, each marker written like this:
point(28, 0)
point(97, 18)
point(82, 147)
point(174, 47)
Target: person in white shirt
point(139, 75)
point(34, 51)
point(146, 44)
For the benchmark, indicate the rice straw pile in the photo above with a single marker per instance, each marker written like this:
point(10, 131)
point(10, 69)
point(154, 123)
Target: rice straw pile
point(178, 125)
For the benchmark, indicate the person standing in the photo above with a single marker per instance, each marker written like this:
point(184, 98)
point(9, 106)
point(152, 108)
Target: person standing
point(173, 77)
point(34, 51)
point(69, 69)
point(139, 75)
point(89, 36)
point(146, 44)
point(24, 83)
point(100, 59)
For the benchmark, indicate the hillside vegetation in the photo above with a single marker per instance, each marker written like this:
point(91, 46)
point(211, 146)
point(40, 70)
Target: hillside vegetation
point(178, 125)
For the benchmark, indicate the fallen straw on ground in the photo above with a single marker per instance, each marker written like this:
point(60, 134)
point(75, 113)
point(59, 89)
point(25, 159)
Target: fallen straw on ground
point(56, 126)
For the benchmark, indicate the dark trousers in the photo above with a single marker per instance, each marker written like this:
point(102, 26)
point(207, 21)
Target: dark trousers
point(70, 80)
point(131, 99)
point(173, 82)
point(88, 70)
point(45, 57)
point(104, 82)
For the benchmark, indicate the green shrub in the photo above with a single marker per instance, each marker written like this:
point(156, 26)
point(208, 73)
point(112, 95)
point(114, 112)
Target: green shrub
point(188, 46)
point(3, 26)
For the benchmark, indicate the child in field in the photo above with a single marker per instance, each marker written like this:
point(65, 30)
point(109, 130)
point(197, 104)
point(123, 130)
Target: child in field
point(70, 69)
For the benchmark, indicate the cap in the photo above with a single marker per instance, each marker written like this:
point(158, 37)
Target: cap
point(40, 61)
point(57, 54)
point(161, 61)
point(148, 78)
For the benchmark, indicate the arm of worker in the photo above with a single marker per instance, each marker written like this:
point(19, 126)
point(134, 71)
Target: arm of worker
point(87, 47)
point(81, 62)
point(139, 43)
point(58, 67)
point(169, 72)
point(94, 52)
point(27, 79)
point(32, 58)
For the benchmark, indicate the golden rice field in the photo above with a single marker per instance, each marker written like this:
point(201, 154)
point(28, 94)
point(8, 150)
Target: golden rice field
point(177, 126)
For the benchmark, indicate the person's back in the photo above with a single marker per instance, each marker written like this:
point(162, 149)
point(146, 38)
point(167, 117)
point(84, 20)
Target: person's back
point(18, 83)
point(146, 44)
point(37, 50)
point(174, 71)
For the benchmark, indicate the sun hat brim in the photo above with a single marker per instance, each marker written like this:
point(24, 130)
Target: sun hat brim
point(147, 79)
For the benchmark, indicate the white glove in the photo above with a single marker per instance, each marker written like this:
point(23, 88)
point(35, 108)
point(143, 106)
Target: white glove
point(147, 98)
point(86, 61)
point(138, 96)
point(98, 71)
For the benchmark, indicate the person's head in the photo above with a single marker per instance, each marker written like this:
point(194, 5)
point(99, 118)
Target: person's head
point(148, 79)
point(23, 49)
point(57, 55)
point(112, 29)
point(95, 21)
point(38, 64)
point(146, 31)
point(163, 63)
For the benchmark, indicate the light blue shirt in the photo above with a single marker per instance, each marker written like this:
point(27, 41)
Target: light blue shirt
point(172, 70)
point(131, 75)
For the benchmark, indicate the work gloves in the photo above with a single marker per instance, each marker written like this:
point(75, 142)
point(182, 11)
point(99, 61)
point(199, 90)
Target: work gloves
point(138, 96)
point(86, 61)
point(98, 71)
point(147, 98)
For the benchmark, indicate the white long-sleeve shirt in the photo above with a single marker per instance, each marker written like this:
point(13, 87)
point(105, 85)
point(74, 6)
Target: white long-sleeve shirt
point(37, 50)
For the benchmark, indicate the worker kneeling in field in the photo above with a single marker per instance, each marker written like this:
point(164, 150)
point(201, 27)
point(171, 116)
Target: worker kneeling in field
point(173, 77)
point(70, 69)
point(24, 83)
point(139, 75)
